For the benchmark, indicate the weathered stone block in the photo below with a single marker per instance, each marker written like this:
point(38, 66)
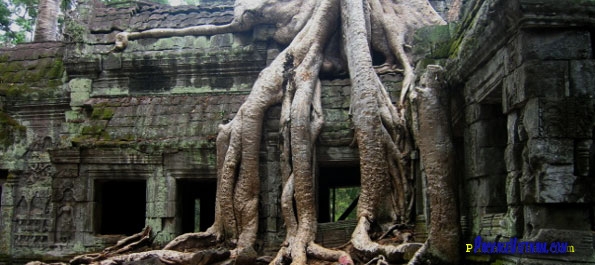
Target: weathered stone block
point(550, 151)
point(472, 113)
point(556, 184)
point(485, 85)
point(513, 192)
point(562, 118)
point(567, 118)
point(532, 118)
point(513, 124)
point(582, 78)
point(79, 89)
point(582, 157)
point(222, 40)
point(545, 79)
point(161, 209)
point(112, 61)
point(513, 157)
point(554, 44)
point(85, 215)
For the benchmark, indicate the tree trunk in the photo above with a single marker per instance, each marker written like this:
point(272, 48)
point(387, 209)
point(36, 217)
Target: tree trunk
point(46, 28)
point(437, 154)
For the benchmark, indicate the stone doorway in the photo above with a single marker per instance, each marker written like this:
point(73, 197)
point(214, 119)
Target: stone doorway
point(120, 206)
point(196, 204)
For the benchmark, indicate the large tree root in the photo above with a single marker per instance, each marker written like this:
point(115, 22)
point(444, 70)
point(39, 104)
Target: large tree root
point(170, 257)
point(125, 245)
point(381, 133)
point(369, 249)
point(301, 122)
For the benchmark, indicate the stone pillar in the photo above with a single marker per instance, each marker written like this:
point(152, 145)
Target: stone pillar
point(549, 102)
point(271, 186)
point(6, 216)
point(161, 205)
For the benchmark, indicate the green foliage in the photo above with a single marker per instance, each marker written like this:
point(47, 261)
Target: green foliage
point(17, 20)
point(342, 198)
point(74, 31)
point(4, 18)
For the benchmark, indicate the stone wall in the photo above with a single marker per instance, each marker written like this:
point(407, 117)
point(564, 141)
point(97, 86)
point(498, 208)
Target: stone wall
point(528, 125)
point(32, 113)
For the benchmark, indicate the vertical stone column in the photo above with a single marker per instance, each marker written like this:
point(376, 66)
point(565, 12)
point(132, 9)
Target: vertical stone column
point(513, 220)
point(161, 205)
point(6, 216)
point(549, 102)
point(270, 218)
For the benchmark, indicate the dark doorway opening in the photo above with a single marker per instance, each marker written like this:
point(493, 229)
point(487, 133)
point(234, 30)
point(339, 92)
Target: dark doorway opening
point(196, 204)
point(120, 206)
point(338, 193)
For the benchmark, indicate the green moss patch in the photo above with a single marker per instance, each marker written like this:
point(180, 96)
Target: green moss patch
point(10, 129)
point(38, 79)
point(102, 113)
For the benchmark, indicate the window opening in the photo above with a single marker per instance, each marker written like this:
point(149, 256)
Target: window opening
point(196, 204)
point(120, 206)
point(338, 193)
point(343, 202)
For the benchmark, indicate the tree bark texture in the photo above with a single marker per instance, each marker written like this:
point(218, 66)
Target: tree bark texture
point(46, 27)
point(437, 154)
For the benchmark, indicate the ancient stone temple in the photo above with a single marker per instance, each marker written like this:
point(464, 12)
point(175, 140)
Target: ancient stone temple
point(89, 135)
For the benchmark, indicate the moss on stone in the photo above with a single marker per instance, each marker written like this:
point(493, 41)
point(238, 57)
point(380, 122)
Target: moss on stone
point(102, 113)
point(9, 129)
point(18, 81)
point(12, 67)
point(4, 58)
point(56, 71)
point(92, 130)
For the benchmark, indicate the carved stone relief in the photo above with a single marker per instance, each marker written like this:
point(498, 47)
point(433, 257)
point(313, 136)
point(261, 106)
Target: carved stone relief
point(32, 223)
point(64, 217)
point(38, 172)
